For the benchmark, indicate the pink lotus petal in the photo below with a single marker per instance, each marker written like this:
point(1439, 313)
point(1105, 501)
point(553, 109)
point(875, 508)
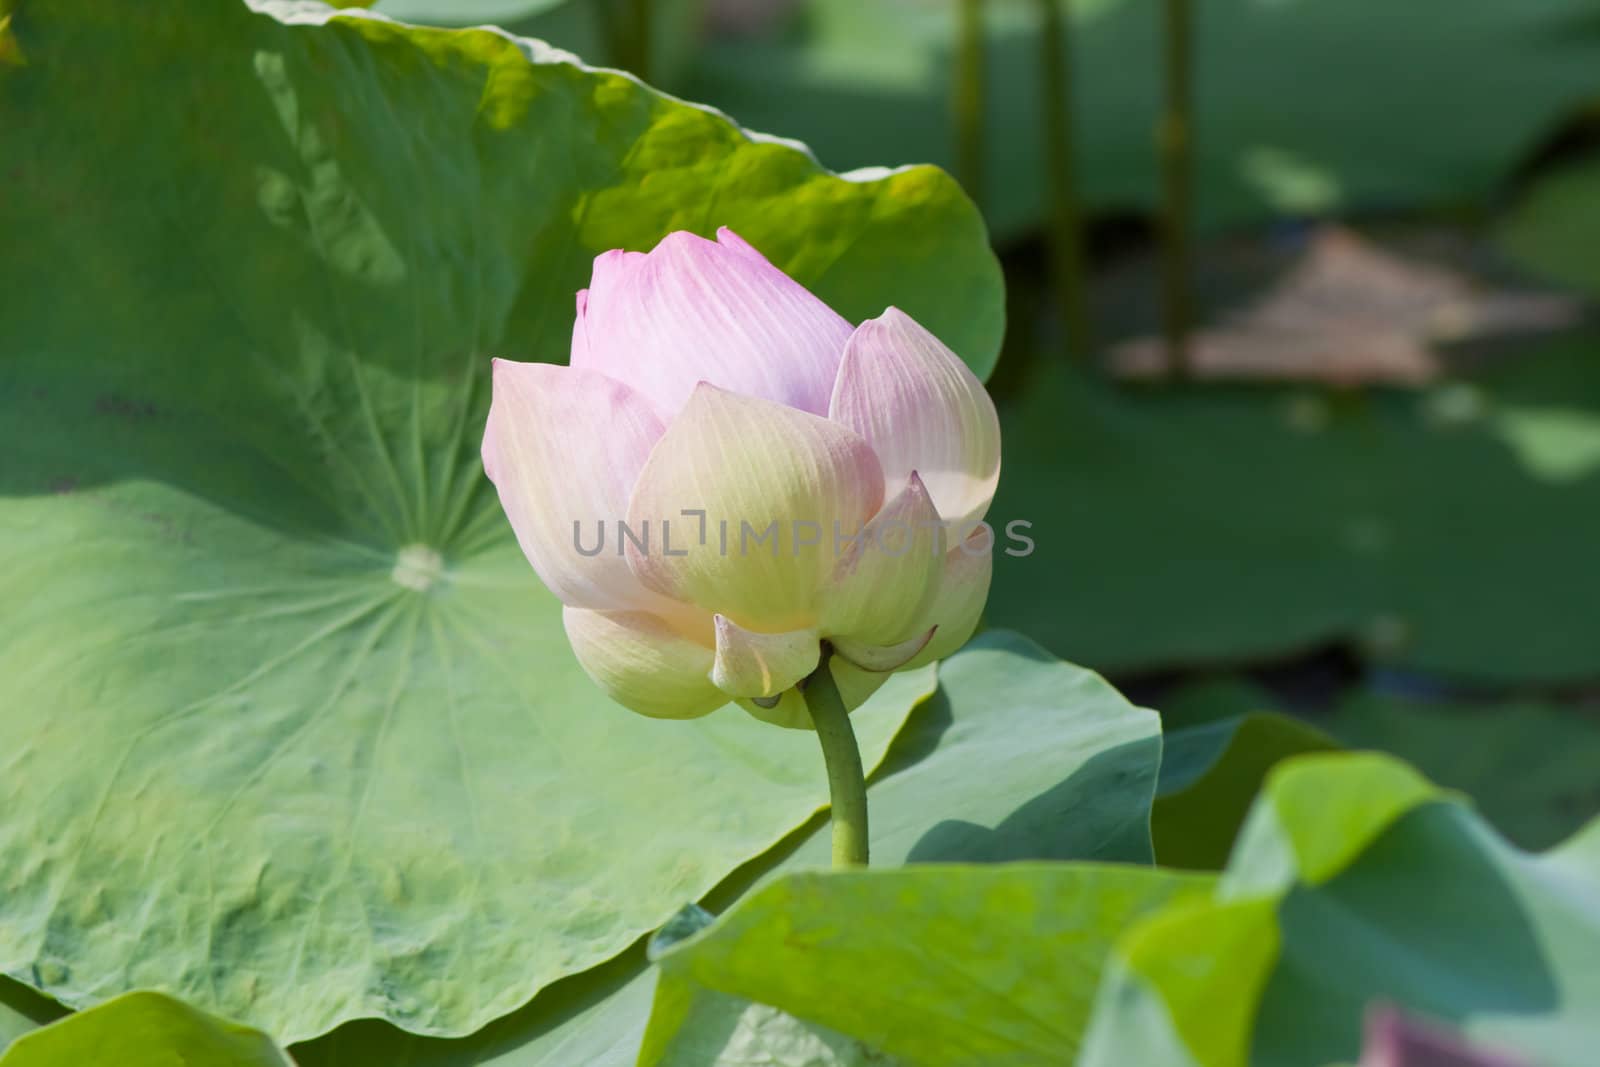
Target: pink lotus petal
point(564, 446)
point(922, 410)
point(644, 662)
point(694, 310)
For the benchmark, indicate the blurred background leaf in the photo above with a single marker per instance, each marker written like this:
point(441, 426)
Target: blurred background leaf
point(1303, 107)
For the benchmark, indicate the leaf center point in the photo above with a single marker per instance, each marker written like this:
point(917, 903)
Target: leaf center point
point(417, 567)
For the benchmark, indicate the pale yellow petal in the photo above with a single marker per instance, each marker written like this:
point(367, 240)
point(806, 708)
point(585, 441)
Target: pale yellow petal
point(886, 577)
point(644, 663)
point(737, 504)
point(750, 664)
point(963, 589)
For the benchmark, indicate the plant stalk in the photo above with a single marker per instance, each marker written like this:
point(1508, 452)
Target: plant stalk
point(1176, 143)
point(643, 31)
point(968, 99)
point(626, 28)
point(1066, 232)
point(847, 782)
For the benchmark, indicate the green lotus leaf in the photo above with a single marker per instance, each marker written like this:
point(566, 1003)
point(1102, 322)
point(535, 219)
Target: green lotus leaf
point(1210, 773)
point(1354, 881)
point(290, 729)
point(1226, 524)
point(1068, 768)
point(718, 1030)
point(1552, 228)
point(144, 1030)
point(23, 1010)
point(1019, 757)
point(1486, 81)
point(1528, 766)
point(940, 965)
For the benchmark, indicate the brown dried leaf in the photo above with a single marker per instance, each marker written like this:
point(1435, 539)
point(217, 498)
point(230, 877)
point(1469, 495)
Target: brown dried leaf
point(1351, 313)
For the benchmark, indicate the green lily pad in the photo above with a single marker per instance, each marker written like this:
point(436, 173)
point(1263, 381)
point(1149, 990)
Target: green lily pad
point(1303, 107)
point(145, 1030)
point(1068, 770)
point(1206, 525)
point(1018, 756)
point(941, 965)
point(1528, 766)
point(596, 1019)
point(693, 1026)
point(1356, 880)
point(711, 1029)
point(290, 728)
point(1210, 774)
point(23, 1010)
point(1553, 228)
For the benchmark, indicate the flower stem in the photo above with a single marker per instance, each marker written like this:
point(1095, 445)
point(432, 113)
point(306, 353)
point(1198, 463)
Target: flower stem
point(847, 782)
point(1177, 198)
point(968, 97)
point(1066, 230)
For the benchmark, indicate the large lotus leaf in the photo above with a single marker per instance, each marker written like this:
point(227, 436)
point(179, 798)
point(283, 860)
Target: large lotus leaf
point(1210, 774)
point(705, 1028)
point(23, 1010)
point(1304, 106)
point(1555, 225)
point(596, 1019)
point(941, 965)
point(289, 728)
point(692, 1025)
point(144, 1030)
point(1217, 524)
point(1355, 880)
point(1528, 766)
point(1016, 757)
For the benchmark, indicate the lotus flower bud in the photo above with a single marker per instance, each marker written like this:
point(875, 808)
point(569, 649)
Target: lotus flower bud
point(728, 475)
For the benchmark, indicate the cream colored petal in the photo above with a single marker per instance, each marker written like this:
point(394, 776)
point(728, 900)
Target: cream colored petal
point(644, 663)
point(789, 711)
point(750, 664)
point(962, 592)
point(922, 410)
point(855, 683)
point(884, 579)
point(737, 503)
point(883, 659)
